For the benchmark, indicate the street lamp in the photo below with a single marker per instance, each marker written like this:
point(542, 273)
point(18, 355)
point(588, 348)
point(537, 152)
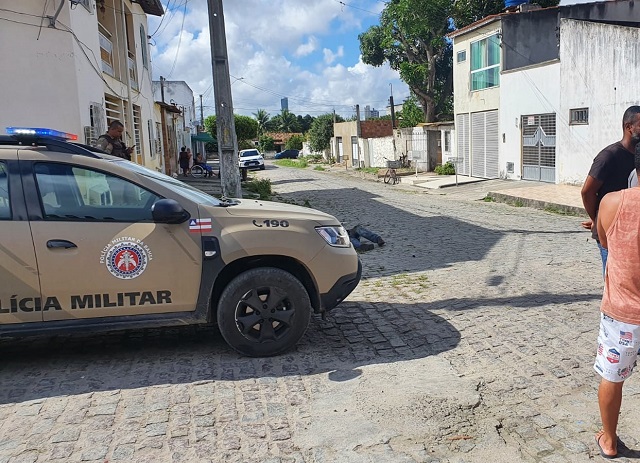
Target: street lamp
point(237, 79)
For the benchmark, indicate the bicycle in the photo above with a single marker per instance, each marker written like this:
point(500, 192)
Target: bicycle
point(391, 175)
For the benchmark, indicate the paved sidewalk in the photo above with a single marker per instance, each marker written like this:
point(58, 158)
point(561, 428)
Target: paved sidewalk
point(520, 193)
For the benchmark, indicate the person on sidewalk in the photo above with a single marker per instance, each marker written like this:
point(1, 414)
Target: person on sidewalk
point(184, 158)
point(358, 232)
point(610, 172)
point(619, 337)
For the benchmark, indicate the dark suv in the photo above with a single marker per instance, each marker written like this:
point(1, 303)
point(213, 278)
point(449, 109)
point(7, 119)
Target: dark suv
point(287, 154)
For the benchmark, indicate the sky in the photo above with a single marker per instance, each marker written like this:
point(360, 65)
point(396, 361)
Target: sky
point(305, 50)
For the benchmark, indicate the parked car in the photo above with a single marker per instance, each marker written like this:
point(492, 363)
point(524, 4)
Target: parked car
point(287, 154)
point(251, 159)
point(92, 242)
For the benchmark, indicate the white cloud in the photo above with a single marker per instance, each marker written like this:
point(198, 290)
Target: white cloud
point(270, 45)
point(330, 57)
point(307, 48)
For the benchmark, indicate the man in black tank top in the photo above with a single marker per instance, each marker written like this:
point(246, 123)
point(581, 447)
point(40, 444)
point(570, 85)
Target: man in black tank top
point(111, 142)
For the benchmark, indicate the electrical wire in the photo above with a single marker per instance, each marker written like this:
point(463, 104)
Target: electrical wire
point(175, 60)
point(162, 19)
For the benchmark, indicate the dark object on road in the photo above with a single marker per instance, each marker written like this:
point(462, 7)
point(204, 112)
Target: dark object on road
point(358, 232)
point(287, 154)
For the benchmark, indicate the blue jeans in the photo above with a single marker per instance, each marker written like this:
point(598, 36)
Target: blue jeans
point(604, 253)
point(358, 232)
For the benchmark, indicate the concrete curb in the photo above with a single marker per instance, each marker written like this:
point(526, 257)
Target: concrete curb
point(518, 201)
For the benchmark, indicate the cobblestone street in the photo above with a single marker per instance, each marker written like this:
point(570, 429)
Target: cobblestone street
point(470, 338)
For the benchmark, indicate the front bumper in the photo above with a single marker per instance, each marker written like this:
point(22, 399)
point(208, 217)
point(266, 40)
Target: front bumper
point(251, 164)
point(343, 287)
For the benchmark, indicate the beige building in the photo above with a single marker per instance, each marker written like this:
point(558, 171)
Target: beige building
point(77, 66)
point(476, 86)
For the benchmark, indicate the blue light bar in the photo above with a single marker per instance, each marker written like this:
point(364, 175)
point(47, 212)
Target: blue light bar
point(40, 131)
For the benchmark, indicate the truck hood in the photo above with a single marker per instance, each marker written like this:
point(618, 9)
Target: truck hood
point(267, 209)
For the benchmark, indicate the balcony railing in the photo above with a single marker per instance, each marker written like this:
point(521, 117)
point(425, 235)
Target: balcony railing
point(106, 54)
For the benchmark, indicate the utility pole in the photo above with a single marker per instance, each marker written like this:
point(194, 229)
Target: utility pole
point(201, 116)
point(393, 109)
point(226, 134)
point(162, 79)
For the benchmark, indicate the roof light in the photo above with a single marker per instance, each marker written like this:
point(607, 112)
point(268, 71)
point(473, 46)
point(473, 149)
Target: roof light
point(40, 131)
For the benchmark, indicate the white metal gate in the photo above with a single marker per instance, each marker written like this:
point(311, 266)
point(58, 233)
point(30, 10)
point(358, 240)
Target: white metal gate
point(462, 131)
point(539, 147)
point(484, 144)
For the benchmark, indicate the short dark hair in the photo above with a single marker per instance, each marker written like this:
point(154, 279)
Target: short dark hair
point(630, 114)
point(115, 125)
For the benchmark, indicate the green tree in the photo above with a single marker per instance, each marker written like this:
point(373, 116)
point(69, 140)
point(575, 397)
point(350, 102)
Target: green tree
point(246, 127)
point(288, 122)
point(411, 114)
point(267, 143)
point(411, 39)
point(262, 117)
point(294, 143)
point(321, 132)
point(304, 123)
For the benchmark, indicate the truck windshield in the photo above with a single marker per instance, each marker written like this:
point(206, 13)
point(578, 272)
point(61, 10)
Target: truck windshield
point(176, 185)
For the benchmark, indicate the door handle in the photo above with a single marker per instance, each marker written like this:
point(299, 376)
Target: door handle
point(60, 244)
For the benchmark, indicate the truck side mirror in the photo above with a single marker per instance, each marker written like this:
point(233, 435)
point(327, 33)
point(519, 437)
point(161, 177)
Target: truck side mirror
point(169, 211)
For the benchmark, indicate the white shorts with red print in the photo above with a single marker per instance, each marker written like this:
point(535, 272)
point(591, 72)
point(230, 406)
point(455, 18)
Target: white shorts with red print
point(617, 349)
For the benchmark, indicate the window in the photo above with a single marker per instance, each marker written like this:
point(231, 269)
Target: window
point(5, 205)
point(447, 141)
point(579, 116)
point(144, 47)
point(485, 63)
point(85, 3)
point(69, 192)
point(462, 56)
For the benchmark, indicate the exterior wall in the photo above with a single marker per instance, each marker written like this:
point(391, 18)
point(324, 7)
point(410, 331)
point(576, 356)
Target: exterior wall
point(375, 129)
point(378, 149)
point(55, 78)
point(599, 70)
point(182, 96)
point(465, 100)
point(50, 82)
point(525, 92)
point(529, 38)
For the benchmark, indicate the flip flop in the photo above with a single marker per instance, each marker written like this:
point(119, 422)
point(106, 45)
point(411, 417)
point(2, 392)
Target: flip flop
point(602, 454)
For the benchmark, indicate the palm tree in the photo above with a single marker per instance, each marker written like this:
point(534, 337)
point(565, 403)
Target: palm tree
point(288, 121)
point(262, 116)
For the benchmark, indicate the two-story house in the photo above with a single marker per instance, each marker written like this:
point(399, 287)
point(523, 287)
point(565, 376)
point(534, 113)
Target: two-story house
point(77, 65)
point(539, 92)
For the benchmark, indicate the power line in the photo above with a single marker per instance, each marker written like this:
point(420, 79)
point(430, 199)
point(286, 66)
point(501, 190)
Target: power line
point(175, 60)
point(355, 7)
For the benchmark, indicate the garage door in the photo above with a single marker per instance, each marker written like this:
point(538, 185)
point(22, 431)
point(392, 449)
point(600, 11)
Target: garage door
point(484, 144)
point(539, 147)
point(463, 136)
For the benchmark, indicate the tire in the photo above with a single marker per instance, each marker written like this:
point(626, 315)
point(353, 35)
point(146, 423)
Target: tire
point(262, 167)
point(198, 171)
point(387, 176)
point(263, 296)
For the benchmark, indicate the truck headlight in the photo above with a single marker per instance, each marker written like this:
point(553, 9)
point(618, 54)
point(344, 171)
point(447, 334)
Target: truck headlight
point(335, 236)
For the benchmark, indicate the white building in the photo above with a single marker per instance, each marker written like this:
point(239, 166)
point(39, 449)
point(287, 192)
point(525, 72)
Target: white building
point(370, 113)
point(176, 116)
point(538, 94)
point(77, 66)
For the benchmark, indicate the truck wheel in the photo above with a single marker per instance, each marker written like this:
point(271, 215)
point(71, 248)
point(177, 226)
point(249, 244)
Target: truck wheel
point(263, 312)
